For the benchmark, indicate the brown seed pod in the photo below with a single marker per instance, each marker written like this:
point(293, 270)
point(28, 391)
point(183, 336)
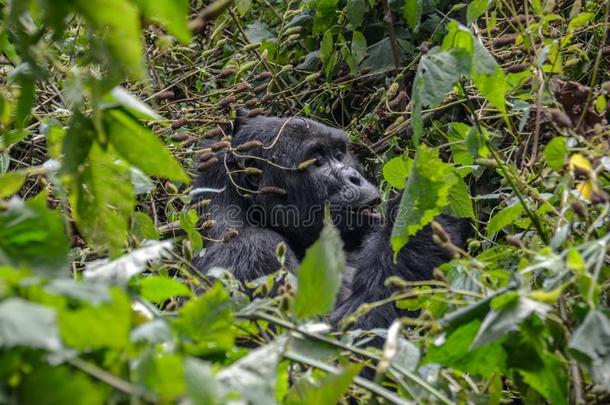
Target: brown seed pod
point(243, 86)
point(263, 76)
point(230, 235)
point(504, 40)
point(515, 241)
point(267, 98)
point(257, 111)
point(398, 100)
point(516, 68)
point(207, 164)
point(206, 156)
point(260, 88)
point(179, 137)
point(600, 197)
point(273, 190)
point(165, 95)
point(227, 72)
point(560, 118)
point(579, 209)
point(248, 146)
point(342, 79)
point(208, 224)
point(220, 145)
point(226, 101)
point(179, 123)
point(252, 103)
point(424, 47)
point(213, 133)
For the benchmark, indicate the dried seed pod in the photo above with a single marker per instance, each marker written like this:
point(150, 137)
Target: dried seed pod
point(515, 241)
point(247, 66)
point(253, 171)
point(179, 137)
point(220, 145)
point(560, 118)
point(579, 209)
point(210, 223)
point(504, 40)
point(248, 146)
point(263, 76)
point(395, 124)
point(600, 197)
point(286, 68)
point(230, 235)
point(252, 103)
point(206, 156)
point(424, 47)
point(179, 123)
point(260, 88)
point(342, 79)
point(249, 47)
point(220, 43)
point(395, 282)
point(438, 230)
point(227, 72)
point(213, 133)
point(257, 111)
point(243, 86)
point(273, 190)
point(517, 68)
point(293, 37)
point(165, 95)
point(293, 30)
point(207, 164)
point(398, 100)
point(226, 101)
point(305, 164)
point(189, 142)
point(267, 98)
point(486, 162)
point(187, 250)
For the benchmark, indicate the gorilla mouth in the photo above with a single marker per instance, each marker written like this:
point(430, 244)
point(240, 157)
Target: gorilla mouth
point(369, 209)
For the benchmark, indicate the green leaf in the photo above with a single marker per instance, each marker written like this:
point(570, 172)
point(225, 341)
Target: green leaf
point(455, 352)
point(118, 22)
point(143, 227)
point(358, 47)
point(33, 236)
point(460, 200)
point(207, 320)
point(500, 321)
point(59, 385)
point(328, 390)
point(161, 373)
point(91, 327)
point(355, 12)
point(457, 135)
point(243, 6)
point(489, 77)
point(23, 323)
point(396, 171)
point(161, 288)
point(140, 147)
point(326, 47)
point(549, 380)
point(119, 96)
point(503, 218)
point(476, 8)
point(254, 376)
point(103, 200)
point(201, 385)
point(590, 345)
point(555, 152)
point(172, 14)
point(10, 183)
point(77, 143)
point(188, 222)
point(579, 20)
point(426, 192)
point(319, 275)
point(412, 11)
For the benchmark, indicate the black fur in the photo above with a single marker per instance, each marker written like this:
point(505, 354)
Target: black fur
point(252, 223)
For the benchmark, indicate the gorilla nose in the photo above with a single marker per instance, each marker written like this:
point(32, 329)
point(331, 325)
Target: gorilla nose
point(356, 180)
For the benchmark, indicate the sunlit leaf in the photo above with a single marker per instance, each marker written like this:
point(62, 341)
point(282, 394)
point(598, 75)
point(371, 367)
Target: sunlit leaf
point(23, 323)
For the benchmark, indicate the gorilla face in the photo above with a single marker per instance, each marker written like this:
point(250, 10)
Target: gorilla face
point(328, 175)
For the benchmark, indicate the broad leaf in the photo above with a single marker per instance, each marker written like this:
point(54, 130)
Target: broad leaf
point(10, 183)
point(328, 390)
point(161, 288)
point(23, 323)
point(426, 192)
point(319, 275)
point(555, 152)
point(476, 8)
point(396, 171)
point(140, 147)
point(172, 14)
point(590, 344)
point(412, 11)
point(504, 218)
point(355, 12)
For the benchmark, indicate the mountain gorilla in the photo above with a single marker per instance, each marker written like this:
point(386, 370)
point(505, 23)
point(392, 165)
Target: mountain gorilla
point(271, 185)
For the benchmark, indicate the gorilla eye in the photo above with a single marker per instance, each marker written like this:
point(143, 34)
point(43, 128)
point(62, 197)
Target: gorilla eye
point(339, 154)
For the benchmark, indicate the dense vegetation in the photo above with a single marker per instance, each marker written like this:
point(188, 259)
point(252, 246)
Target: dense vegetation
point(491, 110)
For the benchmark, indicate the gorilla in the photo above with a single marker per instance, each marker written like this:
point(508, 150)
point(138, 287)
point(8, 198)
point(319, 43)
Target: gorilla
point(271, 183)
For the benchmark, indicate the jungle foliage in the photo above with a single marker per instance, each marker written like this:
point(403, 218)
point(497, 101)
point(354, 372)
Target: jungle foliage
point(493, 110)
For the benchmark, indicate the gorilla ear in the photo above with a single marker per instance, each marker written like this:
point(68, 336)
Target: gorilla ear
point(240, 117)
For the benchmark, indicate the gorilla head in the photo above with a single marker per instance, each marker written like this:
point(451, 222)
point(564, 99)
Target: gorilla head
point(284, 171)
